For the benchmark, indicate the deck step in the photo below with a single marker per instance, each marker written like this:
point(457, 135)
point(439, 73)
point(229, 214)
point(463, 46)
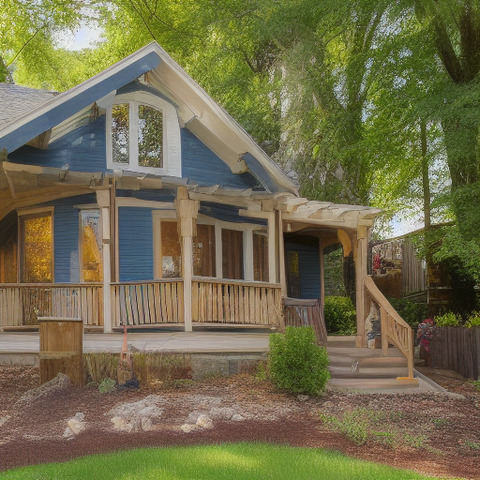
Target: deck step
point(367, 372)
point(377, 384)
point(387, 362)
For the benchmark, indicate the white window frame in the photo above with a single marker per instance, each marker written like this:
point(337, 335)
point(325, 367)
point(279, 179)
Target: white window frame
point(171, 148)
point(247, 229)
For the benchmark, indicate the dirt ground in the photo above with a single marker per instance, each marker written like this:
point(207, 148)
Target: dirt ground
point(433, 434)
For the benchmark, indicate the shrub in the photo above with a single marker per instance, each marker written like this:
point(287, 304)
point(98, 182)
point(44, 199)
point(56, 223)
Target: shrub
point(340, 316)
point(413, 313)
point(473, 320)
point(296, 363)
point(448, 319)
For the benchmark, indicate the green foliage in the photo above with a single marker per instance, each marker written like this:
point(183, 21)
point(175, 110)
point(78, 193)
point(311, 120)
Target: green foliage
point(107, 385)
point(99, 366)
point(340, 316)
point(296, 363)
point(448, 319)
point(473, 320)
point(476, 384)
point(413, 313)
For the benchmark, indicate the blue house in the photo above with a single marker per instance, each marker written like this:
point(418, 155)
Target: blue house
point(134, 199)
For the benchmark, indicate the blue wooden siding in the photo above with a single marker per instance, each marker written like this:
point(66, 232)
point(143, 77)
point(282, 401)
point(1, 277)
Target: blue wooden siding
point(200, 165)
point(65, 237)
point(81, 150)
point(135, 235)
point(163, 195)
point(309, 264)
point(77, 102)
point(227, 213)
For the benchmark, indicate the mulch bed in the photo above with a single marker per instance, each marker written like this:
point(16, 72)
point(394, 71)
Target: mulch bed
point(446, 429)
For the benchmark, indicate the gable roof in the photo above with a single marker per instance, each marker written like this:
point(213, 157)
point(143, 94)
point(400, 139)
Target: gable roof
point(197, 111)
point(16, 101)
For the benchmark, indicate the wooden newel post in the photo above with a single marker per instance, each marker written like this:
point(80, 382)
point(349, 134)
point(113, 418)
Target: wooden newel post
point(61, 349)
point(187, 211)
point(360, 257)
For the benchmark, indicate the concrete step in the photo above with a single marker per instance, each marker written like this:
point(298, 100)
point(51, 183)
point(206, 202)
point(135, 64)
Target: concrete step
point(367, 372)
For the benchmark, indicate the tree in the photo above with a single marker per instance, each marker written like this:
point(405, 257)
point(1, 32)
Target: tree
point(29, 27)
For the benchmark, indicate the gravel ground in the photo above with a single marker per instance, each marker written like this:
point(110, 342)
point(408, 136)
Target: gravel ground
point(434, 434)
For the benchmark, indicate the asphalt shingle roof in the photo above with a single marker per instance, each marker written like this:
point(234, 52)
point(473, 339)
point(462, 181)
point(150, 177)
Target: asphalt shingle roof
point(16, 101)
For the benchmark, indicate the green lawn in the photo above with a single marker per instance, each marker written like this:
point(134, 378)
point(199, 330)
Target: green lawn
point(247, 461)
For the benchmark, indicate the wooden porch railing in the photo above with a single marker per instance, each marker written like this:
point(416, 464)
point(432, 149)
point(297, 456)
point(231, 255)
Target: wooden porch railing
point(236, 302)
point(22, 303)
point(147, 303)
point(393, 328)
point(305, 313)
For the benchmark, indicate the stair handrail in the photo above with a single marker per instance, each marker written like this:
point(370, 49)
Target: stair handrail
point(393, 326)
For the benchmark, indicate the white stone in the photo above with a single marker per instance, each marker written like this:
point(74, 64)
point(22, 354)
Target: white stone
point(237, 418)
point(75, 426)
point(68, 434)
point(4, 420)
point(222, 413)
point(146, 424)
point(302, 398)
point(204, 421)
point(193, 417)
point(119, 423)
point(188, 427)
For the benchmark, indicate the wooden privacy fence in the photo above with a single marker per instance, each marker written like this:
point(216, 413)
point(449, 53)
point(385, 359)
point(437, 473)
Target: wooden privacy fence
point(147, 303)
point(456, 348)
point(306, 313)
point(394, 329)
point(22, 303)
point(236, 302)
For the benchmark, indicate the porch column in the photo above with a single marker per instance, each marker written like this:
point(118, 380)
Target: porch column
point(281, 254)
point(322, 274)
point(272, 264)
point(187, 211)
point(360, 255)
point(103, 201)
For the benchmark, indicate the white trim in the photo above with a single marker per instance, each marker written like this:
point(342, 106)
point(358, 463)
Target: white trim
point(138, 202)
point(171, 148)
point(35, 211)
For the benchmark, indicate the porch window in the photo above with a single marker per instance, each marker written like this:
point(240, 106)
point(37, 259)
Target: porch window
point(36, 256)
point(260, 256)
point(232, 254)
point(170, 250)
point(90, 246)
point(204, 251)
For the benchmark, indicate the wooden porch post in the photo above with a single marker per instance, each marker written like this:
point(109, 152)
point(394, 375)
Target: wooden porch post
point(272, 264)
point(281, 254)
point(360, 255)
point(187, 211)
point(103, 200)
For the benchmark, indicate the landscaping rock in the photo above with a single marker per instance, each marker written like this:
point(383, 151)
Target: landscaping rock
point(302, 398)
point(137, 416)
point(4, 420)
point(222, 413)
point(59, 383)
point(188, 427)
point(237, 418)
point(204, 421)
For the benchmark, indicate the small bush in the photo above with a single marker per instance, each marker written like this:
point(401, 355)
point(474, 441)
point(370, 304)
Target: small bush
point(107, 385)
point(473, 320)
point(296, 363)
point(413, 313)
point(340, 316)
point(448, 319)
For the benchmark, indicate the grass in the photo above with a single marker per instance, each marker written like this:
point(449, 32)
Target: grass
point(243, 461)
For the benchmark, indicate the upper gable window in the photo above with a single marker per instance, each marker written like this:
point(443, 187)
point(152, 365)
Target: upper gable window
point(144, 135)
